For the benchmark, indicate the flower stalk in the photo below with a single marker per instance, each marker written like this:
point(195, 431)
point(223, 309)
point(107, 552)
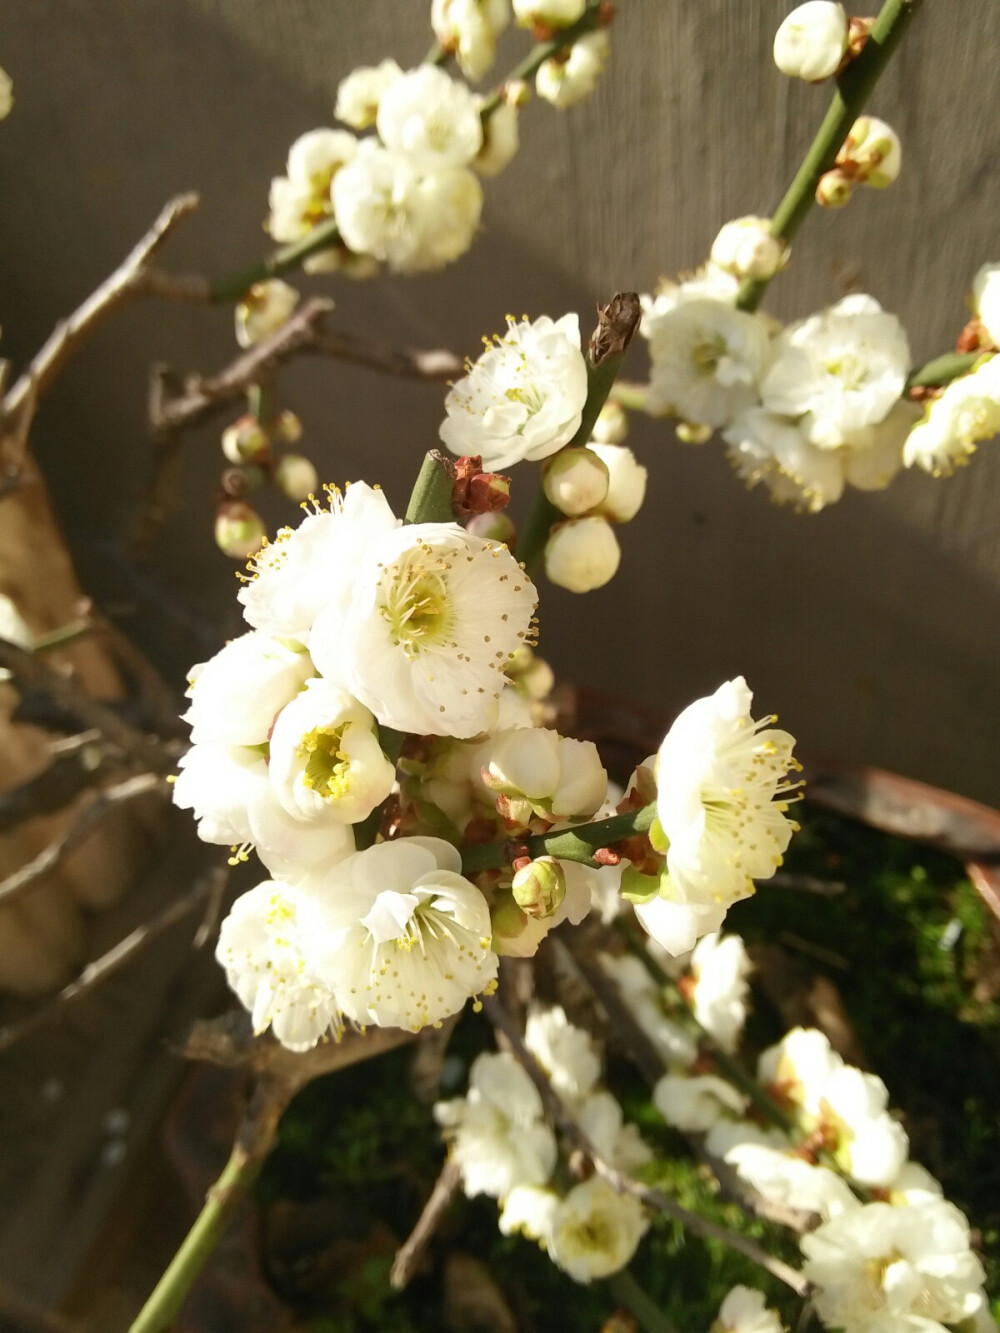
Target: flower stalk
point(576, 844)
point(853, 89)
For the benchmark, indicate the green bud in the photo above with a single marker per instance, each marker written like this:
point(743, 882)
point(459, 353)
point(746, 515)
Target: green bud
point(239, 529)
point(834, 189)
point(245, 441)
point(296, 476)
point(539, 887)
point(286, 427)
point(492, 527)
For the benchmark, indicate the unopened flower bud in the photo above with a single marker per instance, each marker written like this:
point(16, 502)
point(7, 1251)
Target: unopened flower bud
point(611, 426)
point(507, 920)
point(240, 481)
point(496, 527)
point(575, 481)
point(296, 476)
point(501, 140)
point(516, 92)
point(986, 300)
point(746, 248)
point(872, 153)
point(476, 491)
point(548, 13)
point(811, 42)
point(626, 482)
point(287, 427)
point(537, 679)
point(239, 529)
point(6, 94)
point(245, 441)
point(692, 432)
point(539, 887)
point(266, 306)
point(834, 189)
point(582, 554)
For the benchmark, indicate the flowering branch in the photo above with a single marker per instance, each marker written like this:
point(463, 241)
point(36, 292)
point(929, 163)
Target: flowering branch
point(618, 1180)
point(616, 325)
point(563, 39)
point(942, 370)
point(576, 844)
point(854, 87)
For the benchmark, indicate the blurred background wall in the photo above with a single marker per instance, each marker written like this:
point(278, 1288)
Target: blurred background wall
point(872, 628)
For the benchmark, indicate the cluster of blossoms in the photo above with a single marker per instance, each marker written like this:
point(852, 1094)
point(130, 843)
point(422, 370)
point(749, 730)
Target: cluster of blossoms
point(503, 1147)
point(523, 401)
point(409, 195)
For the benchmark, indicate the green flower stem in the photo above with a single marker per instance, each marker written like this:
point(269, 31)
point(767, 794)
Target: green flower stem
point(431, 497)
point(542, 51)
point(62, 637)
point(161, 1310)
point(942, 370)
point(853, 89)
point(576, 844)
point(627, 1291)
point(535, 533)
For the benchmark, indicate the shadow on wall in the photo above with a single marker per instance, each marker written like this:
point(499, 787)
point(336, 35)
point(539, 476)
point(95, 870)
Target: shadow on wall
point(872, 628)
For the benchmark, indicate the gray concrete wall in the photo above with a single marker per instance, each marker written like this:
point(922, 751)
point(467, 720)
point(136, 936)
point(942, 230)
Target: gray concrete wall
point(872, 628)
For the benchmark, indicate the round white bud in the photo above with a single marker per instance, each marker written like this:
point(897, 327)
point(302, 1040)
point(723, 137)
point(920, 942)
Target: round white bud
point(582, 554)
point(549, 13)
point(834, 189)
point(874, 150)
point(626, 482)
point(611, 426)
point(539, 887)
point(575, 481)
point(245, 441)
point(266, 306)
point(239, 529)
point(811, 42)
point(746, 248)
point(296, 476)
point(986, 300)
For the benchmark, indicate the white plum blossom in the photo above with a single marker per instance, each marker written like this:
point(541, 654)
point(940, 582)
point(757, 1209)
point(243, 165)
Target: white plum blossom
point(706, 359)
point(293, 849)
point(266, 945)
point(773, 450)
point(410, 938)
point(722, 798)
point(433, 619)
point(873, 455)
point(528, 1211)
point(325, 760)
point(430, 120)
point(626, 481)
point(558, 775)
point(359, 95)
point(694, 1102)
point(965, 414)
point(566, 80)
point(301, 198)
point(523, 398)
point(412, 222)
point(986, 300)
point(470, 29)
point(236, 695)
point(840, 370)
point(719, 988)
point(677, 926)
point(880, 1269)
point(566, 1053)
point(745, 1311)
point(642, 996)
point(782, 1177)
point(294, 577)
point(620, 1145)
point(871, 1146)
point(218, 783)
point(595, 1231)
point(582, 554)
point(798, 1069)
point(549, 13)
point(914, 1184)
point(263, 310)
point(811, 41)
point(501, 140)
point(746, 248)
point(498, 1138)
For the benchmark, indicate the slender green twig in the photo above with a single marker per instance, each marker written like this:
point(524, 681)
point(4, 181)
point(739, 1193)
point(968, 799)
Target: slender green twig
point(854, 87)
point(576, 844)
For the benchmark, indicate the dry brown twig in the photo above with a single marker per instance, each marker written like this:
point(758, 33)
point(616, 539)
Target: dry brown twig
point(205, 890)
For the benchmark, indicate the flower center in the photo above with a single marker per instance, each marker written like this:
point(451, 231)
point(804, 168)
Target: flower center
point(416, 606)
point(707, 355)
point(328, 768)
